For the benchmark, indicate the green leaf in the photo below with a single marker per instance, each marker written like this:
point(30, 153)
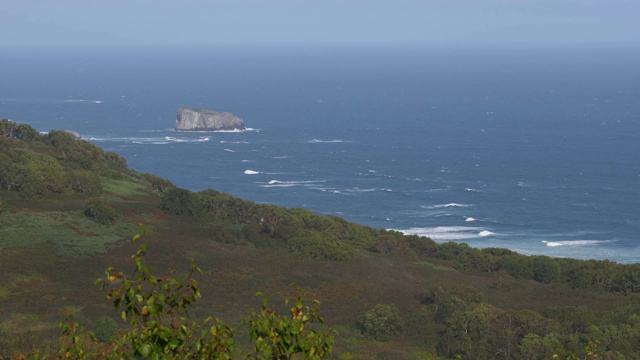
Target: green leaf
point(144, 350)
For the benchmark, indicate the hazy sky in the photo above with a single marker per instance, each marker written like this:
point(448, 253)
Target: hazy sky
point(164, 22)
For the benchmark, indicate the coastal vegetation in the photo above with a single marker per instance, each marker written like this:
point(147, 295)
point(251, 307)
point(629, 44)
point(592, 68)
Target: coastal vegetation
point(68, 210)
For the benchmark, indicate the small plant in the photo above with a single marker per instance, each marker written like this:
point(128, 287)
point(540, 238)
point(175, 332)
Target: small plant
point(277, 336)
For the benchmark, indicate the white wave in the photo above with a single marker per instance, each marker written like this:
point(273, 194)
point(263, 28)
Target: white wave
point(251, 172)
point(228, 150)
point(246, 160)
point(446, 233)
point(281, 157)
point(485, 233)
point(182, 140)
point(296, 182)
point(234, 142)
point(469, 219)
point(316, 141)
point(574, 242)
point(449, 205)
point(279, 183)
point(218, 131)
point(471, 190)
point(71, 101)
point(358, 190)
point(235, 130)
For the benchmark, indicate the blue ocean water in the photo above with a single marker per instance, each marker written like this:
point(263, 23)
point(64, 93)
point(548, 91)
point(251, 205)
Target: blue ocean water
point(532, 149)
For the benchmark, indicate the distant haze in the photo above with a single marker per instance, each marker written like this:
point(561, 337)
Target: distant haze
point(191, 22)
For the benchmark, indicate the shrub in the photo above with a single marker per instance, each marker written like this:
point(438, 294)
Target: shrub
point(100, 211)
point(315, 245)
point(84, 182)
point(177, 201)
point(116, 160)
point(158, 184)
point(381, 323)
point(105, 329)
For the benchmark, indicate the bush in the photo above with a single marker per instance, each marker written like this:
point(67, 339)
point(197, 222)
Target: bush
point(177, 201)
point(84, 182)
point(105, 329)
point(315, 245)
point(381, 323)
point(98, 209)
point(115, 160)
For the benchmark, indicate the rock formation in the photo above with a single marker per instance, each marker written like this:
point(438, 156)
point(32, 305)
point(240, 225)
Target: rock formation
point(190, 119)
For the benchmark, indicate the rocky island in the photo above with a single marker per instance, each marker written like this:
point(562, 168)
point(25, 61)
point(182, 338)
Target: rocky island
point(190, 119)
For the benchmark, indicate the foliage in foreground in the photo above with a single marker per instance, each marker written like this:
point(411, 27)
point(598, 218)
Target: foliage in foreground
point(159, 326)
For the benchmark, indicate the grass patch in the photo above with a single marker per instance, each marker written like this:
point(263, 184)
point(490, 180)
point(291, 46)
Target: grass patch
point(434, 266)
point(69, 233)
point(128, 186)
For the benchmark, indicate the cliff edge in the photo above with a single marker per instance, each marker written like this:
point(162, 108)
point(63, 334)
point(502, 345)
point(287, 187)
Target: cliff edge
point(190, 119)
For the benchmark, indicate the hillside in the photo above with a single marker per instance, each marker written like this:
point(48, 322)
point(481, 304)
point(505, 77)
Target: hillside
point(68, 211)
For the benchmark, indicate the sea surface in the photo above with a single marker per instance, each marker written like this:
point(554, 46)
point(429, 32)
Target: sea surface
point(533, 149)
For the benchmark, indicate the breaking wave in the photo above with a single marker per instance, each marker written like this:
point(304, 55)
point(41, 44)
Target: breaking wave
point(441, 206)
point(449, 233)
point(574, 242)
point(278, 183)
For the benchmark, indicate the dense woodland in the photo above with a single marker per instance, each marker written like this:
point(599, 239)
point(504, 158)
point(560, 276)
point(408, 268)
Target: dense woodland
point(68, 210)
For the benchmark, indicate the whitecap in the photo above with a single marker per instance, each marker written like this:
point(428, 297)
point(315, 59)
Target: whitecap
point(234, 142)
point(485, 233)
point(251, 172)
point(235, 130)
point(316, 141)
point(471, 190)
point(358, 190)
point(469, 219)
point(279, 183)
point(574, 242)
point(446, 233)
point(449, 205)
point(228, 150)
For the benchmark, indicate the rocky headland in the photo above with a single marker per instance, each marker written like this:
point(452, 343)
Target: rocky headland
point(190, 119)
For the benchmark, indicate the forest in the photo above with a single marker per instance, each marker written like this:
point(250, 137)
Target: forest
point(68, 211)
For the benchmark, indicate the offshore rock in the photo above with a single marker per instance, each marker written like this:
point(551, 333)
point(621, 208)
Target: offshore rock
point(190, 119)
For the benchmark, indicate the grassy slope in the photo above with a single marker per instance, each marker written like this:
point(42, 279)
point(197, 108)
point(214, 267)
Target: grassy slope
point(50, 255)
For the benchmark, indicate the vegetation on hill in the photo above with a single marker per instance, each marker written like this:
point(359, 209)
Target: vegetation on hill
point(67, 209)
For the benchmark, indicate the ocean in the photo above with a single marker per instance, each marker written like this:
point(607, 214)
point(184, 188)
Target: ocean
point(535, 149)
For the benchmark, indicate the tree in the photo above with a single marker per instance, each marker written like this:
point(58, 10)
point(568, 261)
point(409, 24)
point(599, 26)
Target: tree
point(381, 323)
point(545, 269)
point(535, 347)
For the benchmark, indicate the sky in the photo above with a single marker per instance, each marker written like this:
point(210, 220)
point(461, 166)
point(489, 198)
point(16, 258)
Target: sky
point(38, 23)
